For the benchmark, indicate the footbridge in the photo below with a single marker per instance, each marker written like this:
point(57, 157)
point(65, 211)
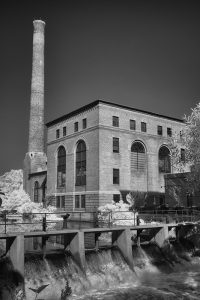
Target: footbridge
point(122, 237)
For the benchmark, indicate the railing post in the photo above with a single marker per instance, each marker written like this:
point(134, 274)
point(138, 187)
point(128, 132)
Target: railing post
point(44, 223)
point(5, 222)
point(109, 219)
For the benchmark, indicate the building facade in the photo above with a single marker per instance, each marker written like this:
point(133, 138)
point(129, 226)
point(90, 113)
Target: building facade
point(98, 153)
point(103, 151)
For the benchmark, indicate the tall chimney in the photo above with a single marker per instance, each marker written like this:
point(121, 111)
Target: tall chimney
point(35, 162)
point(36, 122)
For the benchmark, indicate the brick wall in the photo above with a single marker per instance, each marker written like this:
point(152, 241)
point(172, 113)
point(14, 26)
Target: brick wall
point(34, 162)
point(101, 160)
point(150, 179)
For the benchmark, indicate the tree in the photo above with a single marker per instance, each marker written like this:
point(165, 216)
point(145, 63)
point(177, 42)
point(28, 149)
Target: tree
point(185, 149)
point(16, 199)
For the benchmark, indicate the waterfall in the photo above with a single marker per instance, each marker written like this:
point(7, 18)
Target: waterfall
point(105, 270)
point(107, 276)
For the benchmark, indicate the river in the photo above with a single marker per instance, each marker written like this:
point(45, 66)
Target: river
point(173, 273)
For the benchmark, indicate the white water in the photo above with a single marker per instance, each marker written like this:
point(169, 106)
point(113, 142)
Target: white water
point(109, 277)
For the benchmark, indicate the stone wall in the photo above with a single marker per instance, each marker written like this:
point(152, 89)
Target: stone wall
point(101, 160)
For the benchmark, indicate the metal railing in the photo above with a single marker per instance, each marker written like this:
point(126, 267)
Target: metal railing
point(111, 218)
point(114, 218)
point(15, 222)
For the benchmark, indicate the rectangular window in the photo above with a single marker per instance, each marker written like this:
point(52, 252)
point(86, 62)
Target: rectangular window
point(64, 131)
point(116, 198)
point(77, 201)
point(115, 121)
point(143, 126)
point(80, 201)
point(115, 176)
point(116, 145)
point(75, 126)
point(169, 131)
point(84, 123)
point(62, 201)
point(57, 133)
point(159, 130)
point(132, 124)
point(182, 155)
point(57, 201)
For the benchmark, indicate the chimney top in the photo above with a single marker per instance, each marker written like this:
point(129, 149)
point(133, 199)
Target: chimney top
point(38, 25)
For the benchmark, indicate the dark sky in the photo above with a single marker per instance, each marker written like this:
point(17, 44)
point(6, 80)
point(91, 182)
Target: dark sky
point(144, 54)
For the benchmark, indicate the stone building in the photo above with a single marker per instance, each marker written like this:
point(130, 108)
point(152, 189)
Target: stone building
point(97, 153)
point(103, 151)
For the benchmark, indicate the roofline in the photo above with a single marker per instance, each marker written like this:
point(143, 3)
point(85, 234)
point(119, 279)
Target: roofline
point(36, 174)
point(96, 102)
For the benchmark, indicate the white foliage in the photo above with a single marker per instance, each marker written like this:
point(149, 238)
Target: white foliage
point(190, 141)
point(118, 214)
point(11, 183)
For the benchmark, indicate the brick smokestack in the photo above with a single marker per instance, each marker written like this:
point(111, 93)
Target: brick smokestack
point(36, 123)
point(35, 162)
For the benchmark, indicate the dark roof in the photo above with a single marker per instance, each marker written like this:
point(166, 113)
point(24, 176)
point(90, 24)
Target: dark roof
point(36, 174)
point(95, 103)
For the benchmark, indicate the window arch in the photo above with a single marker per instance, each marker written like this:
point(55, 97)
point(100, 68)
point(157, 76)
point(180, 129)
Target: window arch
point(81, 163)
point(36, 191)
point(61, 167)
point(138, 157)
point(164, 160)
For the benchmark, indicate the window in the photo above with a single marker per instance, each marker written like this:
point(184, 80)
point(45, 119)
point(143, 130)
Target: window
point(159, 130)
point(143, 126)
point(84, 123)
point(164, 160)
point(132, 124)
point(138, 157)
point(115, 121)
point(115, 176)
point(61, 167)
point(169, 131)
point(116, 198)
point(36, 191)
point(57, 133)
point(116, 145)
point(64, 131)
point(75, 126)
point(182, 155)
point(80, 201)
point(60, 201)
point(77, 201)
point(81, 163)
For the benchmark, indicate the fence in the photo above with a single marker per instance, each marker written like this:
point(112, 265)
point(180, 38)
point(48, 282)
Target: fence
point(15, 222)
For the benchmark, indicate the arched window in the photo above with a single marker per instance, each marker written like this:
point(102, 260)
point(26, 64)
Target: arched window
point(138, 157)
point(164, 160)
point(81, 163)
point(61, 167)
point(36, 191)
